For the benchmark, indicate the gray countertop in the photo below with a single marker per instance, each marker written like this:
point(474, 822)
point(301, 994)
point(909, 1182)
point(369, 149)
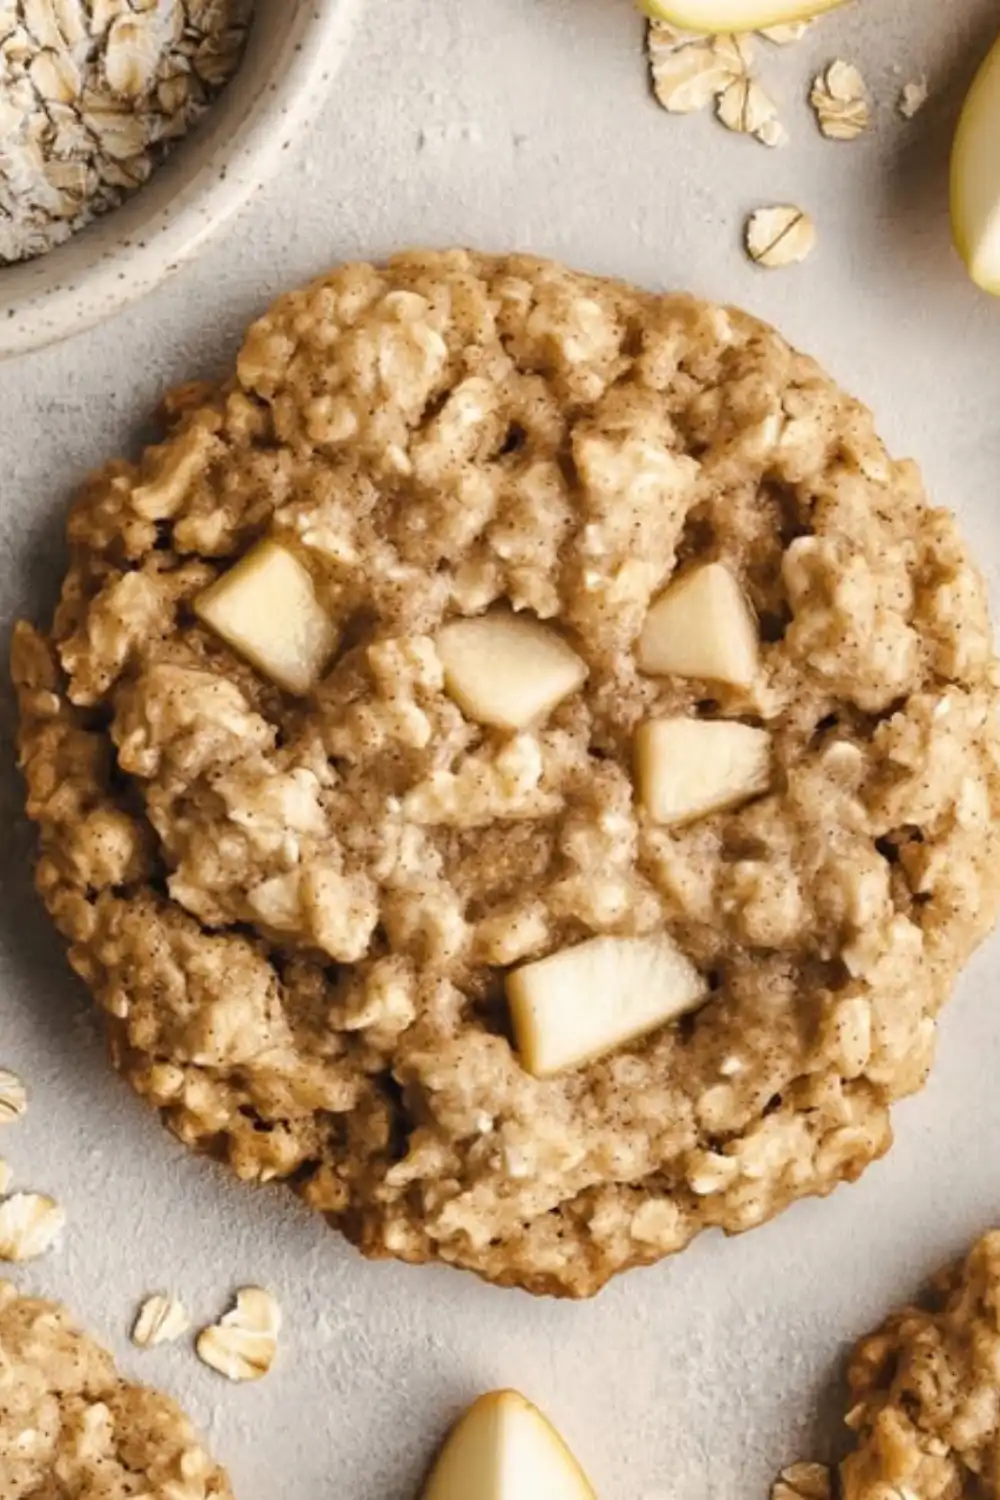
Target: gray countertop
point(525, 123)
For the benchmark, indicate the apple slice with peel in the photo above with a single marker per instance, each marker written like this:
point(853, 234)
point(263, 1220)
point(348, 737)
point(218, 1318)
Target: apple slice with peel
point(975, 177)
point(265, 608)
point(504, 1449)
point(691, 767)
point(702, 626)
point(734, 15)
point(507, 670)
point(585, 1001)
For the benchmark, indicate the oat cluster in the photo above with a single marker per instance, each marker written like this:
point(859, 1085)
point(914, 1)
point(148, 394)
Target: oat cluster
point(690, 71)
point(93, 94)
point(298, 913)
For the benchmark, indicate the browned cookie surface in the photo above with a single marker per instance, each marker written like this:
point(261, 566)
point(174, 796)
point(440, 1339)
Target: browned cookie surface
point(71, 1427)
point(300, 909)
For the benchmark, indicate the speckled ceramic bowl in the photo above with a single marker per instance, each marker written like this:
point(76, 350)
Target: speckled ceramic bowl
point(294, 49)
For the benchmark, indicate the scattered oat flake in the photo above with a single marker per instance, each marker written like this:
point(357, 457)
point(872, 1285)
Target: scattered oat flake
point(29, 1224)
point(746, 108)
point(779, 236)
point(161, 1319)
point(688, 70)
point(13, 1097)
point(839, 98)
point(913, 98)
point(803, 1482)
point(787, 32)
point(242, 1345)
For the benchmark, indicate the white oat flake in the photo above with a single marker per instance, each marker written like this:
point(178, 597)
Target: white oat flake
point(840, 100)
point(746, 108)
point(690, 70)
point(29, 1225)
point(779, 236)
point(161, 1319)
point(13, 1097)
point(244, 1342)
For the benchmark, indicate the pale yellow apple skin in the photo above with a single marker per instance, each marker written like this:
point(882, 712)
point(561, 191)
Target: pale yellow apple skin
point(733, 15)
point(975, 177)
point(504, 1449)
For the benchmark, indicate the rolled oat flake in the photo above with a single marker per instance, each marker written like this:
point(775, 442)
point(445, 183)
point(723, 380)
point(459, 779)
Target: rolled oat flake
point(93, 94)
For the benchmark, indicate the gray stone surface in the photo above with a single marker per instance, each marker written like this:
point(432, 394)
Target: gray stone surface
point(524, 123)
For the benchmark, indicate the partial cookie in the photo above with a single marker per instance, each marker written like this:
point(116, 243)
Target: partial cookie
point(925, 1395)
point(518, 762)
point(70, 1426)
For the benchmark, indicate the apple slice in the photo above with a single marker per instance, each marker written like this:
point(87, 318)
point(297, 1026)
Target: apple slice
point(690, 767)
point(701, 627)
point(585, 1001)
point(734, 15)
point(507, 670)
point(975, 177)
point(265, 607)
point(504, 1449)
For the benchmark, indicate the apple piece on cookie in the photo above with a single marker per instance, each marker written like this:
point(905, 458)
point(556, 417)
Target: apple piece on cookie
point(507, 670)
point(587, 1000)
point(702, 626)
point(688, 768)
point(265, 607)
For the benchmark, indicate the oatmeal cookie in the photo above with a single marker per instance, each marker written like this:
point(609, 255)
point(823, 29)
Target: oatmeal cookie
point(534, 951)
point(70, 1426)
point(925, 1394)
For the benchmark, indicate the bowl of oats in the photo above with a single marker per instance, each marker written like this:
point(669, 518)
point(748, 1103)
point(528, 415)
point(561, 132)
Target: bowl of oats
point(131, 132)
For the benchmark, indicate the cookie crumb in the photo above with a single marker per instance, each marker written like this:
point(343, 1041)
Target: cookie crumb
point(839, 98)
point(779, 236)
point(242, 1345)
point(29, 1225)
point(161, 1319)
point(913, 97)
point(803, 1481)
point(13, 1097)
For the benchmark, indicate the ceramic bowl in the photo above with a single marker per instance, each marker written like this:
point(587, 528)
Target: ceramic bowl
point(293, 51)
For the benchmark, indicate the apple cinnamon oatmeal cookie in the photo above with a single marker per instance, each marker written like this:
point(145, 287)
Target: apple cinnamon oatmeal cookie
point(518, 761)
point(925, 1394)
point(70, 1426)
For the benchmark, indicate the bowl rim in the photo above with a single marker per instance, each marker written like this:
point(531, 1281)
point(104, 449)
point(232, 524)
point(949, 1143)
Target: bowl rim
point(135, 251)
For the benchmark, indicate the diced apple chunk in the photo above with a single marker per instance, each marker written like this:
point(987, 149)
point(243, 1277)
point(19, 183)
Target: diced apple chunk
point(584, 1001)
point(690, 767)
point(507, 670)
point(504, 1449)
point(701, 627)
point(265, 607)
